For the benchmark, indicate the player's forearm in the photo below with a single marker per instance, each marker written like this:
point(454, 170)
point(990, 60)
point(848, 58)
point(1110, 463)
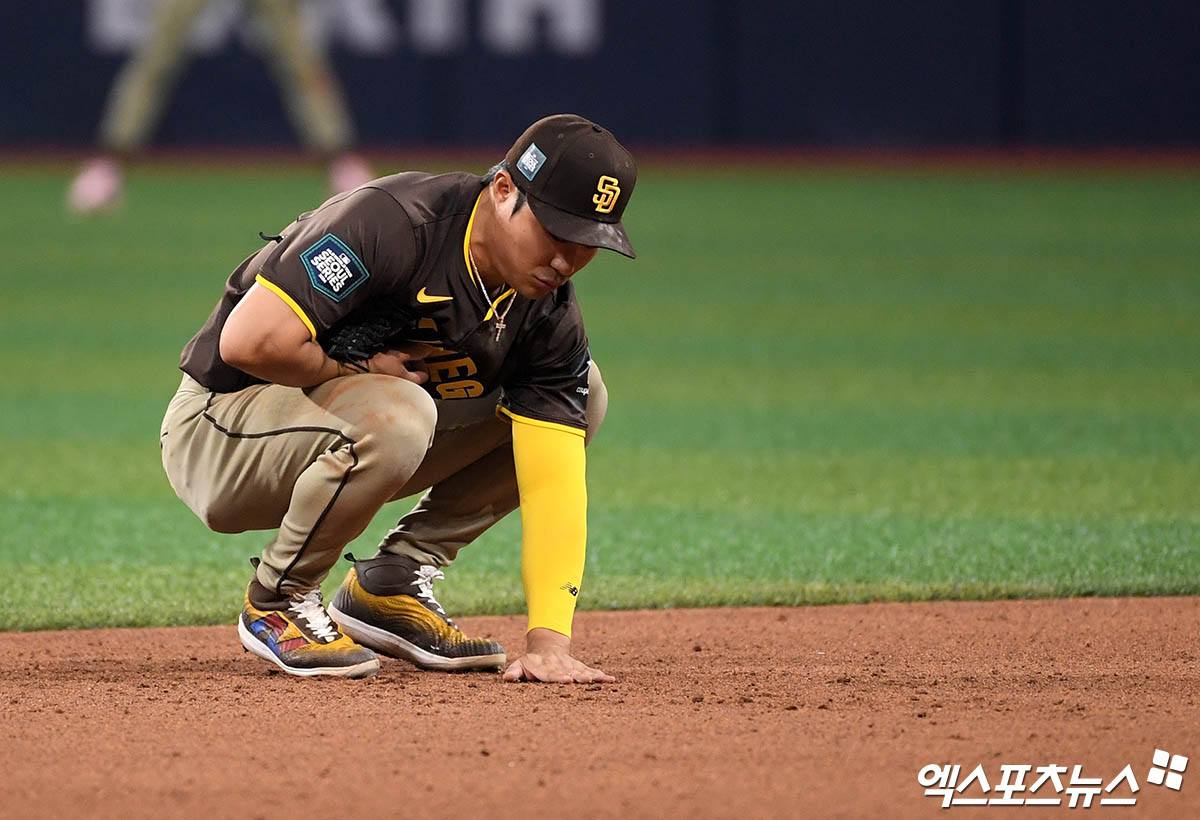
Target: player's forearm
point(304, 365)
point(551, 476)
point(266, 337)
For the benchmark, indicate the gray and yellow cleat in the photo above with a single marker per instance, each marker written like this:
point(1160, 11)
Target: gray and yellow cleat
point(296, 635)
point(387, 603)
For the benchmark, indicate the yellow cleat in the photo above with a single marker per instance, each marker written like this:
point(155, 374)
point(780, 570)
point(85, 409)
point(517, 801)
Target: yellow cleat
point(394, 612)
point(301, 639)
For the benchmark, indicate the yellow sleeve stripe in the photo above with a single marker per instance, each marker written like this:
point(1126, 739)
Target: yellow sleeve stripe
point(549, 425)
point(289, 301)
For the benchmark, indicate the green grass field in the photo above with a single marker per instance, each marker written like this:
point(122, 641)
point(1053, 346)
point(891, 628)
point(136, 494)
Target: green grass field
point(827, 385)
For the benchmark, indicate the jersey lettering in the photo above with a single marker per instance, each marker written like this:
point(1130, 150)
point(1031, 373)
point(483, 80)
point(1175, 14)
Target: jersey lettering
point(449, 370)
point(455, 369)
point(467, 389)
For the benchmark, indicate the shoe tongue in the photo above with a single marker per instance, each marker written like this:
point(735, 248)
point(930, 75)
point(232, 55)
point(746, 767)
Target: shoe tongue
point(298, 598)
point(303, 616)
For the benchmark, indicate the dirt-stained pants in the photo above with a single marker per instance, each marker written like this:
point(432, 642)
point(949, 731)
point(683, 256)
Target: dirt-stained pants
point(311, 94)
point(318, 463)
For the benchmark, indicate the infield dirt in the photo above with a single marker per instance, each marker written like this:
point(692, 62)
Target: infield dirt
point(746, 713)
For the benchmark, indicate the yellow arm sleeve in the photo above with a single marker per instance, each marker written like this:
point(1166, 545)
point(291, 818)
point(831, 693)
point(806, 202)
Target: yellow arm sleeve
point(551, 478)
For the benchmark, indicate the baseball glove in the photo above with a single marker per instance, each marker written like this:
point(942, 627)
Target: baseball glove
point(380, 326)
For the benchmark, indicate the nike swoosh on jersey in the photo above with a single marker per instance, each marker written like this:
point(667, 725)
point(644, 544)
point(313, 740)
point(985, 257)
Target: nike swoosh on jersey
point(426, 298)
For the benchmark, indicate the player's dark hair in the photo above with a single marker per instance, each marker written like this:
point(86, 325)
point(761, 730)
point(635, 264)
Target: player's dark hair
point(491, 175)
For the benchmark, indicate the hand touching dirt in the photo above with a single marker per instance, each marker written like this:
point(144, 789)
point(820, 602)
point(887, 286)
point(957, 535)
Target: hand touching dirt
point(548, 659)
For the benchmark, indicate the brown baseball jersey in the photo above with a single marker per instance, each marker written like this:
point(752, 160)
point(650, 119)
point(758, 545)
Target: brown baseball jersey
point(400, 242)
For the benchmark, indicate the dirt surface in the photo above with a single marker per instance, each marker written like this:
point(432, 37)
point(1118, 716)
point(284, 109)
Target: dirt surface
point(827, 711)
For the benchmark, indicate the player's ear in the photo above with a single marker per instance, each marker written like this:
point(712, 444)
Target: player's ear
point(503, 188)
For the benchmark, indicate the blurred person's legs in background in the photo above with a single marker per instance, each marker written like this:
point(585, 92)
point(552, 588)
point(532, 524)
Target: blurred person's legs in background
point(311, 93)
point(134, 105)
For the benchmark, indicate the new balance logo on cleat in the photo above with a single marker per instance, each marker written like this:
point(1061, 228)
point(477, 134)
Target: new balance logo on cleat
point(571, 588)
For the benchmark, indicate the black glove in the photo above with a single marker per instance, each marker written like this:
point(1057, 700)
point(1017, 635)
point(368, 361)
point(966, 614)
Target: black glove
point(382, 325)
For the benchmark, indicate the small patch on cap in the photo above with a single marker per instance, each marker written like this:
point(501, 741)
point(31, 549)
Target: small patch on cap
point(531, 161)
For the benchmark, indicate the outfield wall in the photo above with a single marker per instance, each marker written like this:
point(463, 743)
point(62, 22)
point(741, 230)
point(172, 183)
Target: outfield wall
point(846, 73)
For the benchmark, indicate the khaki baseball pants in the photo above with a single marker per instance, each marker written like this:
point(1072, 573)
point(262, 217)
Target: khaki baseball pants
point(311, 93)
point(319, 463)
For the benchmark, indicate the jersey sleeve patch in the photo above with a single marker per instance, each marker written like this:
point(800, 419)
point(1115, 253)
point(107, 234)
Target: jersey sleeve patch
point(333, 268)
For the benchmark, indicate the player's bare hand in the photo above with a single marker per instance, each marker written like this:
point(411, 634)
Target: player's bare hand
point(406, 362)
point(548, 659)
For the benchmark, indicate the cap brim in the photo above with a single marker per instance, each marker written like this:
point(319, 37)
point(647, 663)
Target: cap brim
point(581, 230)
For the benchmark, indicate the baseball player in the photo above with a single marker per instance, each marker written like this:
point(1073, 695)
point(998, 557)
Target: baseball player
point(310, 91)
point(292, 414)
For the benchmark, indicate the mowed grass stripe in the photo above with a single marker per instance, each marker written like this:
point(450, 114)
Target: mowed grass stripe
point(933, 431)
point(757, 478)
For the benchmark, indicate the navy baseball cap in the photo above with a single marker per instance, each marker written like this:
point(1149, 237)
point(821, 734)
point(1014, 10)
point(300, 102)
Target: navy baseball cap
point(578, 179)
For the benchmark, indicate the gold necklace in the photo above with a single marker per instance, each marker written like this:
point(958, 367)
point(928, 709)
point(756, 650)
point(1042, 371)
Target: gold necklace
point(500, 321)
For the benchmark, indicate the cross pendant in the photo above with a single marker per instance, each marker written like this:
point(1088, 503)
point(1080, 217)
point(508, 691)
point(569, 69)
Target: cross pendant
point(499, 328)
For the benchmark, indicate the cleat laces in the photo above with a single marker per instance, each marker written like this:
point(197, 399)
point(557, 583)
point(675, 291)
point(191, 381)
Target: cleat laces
point(308, 606)
point(426, 575)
